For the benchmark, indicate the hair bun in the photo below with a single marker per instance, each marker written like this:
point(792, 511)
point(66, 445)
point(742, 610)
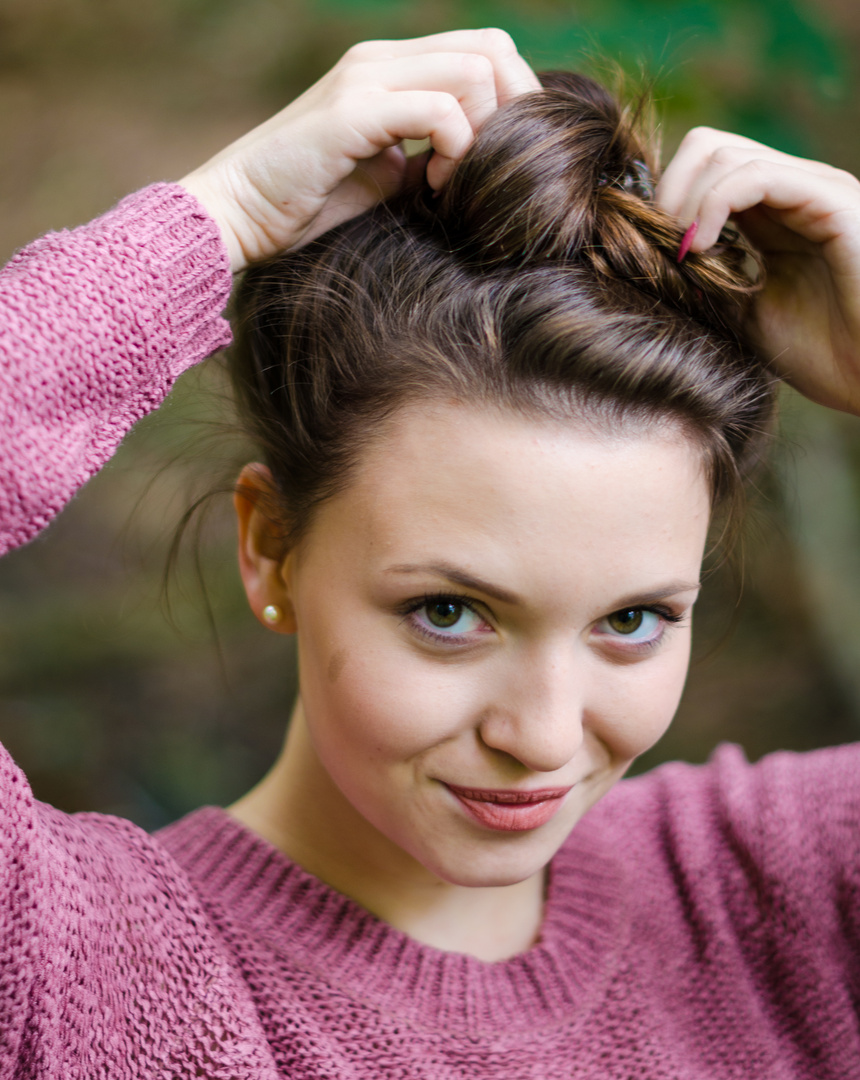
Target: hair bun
point(565, 174)
point(529, 187)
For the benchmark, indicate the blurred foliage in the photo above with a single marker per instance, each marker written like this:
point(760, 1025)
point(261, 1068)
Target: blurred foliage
point(104, 702)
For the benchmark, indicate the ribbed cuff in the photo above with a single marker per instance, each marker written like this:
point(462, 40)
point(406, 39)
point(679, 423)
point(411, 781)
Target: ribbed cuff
point(180, 245)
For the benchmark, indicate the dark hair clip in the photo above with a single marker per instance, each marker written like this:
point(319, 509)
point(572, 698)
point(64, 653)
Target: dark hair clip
point(636, 179)
point(639, 181)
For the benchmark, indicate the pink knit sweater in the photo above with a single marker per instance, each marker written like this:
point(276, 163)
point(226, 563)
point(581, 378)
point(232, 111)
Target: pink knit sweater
point(701, 923)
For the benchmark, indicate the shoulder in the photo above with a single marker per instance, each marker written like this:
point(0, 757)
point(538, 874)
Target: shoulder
point(770, 842)
point(103, 860)
point(102, 933)
point(788, 799)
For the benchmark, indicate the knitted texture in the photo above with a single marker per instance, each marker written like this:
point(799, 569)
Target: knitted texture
point(95, 325)
point(700, 924)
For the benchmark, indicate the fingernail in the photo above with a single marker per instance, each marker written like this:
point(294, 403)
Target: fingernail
point(687, 242)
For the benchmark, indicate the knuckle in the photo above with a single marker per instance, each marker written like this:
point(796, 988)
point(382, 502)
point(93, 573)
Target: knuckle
point(361, 52)
point(846, 177)
point(341, 86)
point(713, 204)
point(699, 136)
point(475, 68)
point(498, 41)
point(444, 108)
point(757, 167)
point(726, 156)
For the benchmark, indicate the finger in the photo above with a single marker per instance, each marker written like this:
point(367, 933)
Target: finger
point(416, 114)
point(469, 77)
point(813, 207)
point(704, 149)
point(513, 76)
point(761, 225)
point(728, 160)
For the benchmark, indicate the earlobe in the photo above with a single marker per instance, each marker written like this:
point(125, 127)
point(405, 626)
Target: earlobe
point(262, 562)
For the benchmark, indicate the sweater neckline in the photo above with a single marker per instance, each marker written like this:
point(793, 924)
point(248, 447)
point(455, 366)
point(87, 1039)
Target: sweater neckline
point(246, 882)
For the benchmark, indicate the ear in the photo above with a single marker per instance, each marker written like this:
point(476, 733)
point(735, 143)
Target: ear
point(262, 562)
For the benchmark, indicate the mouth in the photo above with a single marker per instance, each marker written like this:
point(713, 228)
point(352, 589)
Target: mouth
point(510, 810)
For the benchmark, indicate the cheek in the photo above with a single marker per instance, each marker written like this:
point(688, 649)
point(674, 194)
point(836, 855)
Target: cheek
point(641, 702)
point(369, 699)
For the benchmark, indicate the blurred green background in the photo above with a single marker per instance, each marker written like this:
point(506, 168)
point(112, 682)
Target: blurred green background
point(109, 707)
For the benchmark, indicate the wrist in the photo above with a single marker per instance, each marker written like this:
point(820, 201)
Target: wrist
point(196, 186)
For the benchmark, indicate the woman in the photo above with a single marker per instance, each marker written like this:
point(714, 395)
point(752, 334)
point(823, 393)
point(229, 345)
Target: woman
point(495, 425)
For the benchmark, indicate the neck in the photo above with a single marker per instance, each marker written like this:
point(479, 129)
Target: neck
point(298, 808)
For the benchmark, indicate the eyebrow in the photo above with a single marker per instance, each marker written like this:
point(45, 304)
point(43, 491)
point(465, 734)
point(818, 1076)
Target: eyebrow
point(655, 595)
point(459, 577)
point(471, 581)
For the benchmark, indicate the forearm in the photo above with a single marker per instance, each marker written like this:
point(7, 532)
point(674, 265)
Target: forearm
point(95, 325)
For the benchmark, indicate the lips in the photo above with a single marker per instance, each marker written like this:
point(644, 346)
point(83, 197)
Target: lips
point(510, 810)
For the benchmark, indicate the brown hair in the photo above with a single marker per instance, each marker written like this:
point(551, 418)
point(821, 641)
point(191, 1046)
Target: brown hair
point(543, 279)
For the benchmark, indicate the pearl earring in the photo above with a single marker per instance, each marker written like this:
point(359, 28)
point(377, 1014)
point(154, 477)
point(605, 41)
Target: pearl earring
point(272, 614)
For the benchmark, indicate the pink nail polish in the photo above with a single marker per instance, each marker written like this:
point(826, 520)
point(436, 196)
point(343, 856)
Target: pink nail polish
point(688, 240)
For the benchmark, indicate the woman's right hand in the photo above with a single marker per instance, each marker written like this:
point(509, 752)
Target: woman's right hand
point(804, 218)
point(334, 151)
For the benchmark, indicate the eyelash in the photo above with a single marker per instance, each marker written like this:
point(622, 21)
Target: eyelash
point(449, 640)
point(638, 647)
point(420, 602)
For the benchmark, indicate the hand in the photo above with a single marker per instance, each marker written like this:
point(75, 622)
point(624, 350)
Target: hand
point(335, 150)
point(804, 217)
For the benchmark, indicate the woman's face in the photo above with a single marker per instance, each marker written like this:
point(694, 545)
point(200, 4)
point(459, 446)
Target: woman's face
point(496, 610)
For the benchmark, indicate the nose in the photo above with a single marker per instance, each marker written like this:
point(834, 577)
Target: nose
point(537, 708)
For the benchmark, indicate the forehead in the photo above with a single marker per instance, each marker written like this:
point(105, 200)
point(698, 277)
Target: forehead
point(494, 490)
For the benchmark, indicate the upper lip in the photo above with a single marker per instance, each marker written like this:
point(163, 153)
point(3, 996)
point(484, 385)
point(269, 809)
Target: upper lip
point(510, 796)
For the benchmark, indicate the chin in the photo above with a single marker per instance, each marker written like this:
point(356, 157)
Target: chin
point(493, 865)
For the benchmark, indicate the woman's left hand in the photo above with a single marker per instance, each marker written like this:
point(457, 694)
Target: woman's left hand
point(804, 218)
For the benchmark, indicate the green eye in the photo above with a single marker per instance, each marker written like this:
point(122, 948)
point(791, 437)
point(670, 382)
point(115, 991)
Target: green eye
point(626, 622)
point(444, 614)
point(446, 619)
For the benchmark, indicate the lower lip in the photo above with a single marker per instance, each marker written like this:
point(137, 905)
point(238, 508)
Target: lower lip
point(510, 817)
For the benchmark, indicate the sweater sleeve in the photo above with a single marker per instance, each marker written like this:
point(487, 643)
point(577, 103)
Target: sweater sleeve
point(109, 967)
point(750, 898)
point(95, 325)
